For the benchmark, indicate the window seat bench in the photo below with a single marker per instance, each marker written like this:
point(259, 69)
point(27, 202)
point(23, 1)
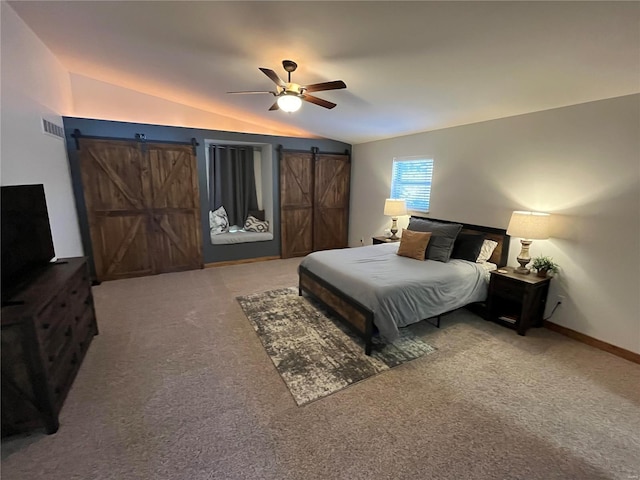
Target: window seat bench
point(240, 236)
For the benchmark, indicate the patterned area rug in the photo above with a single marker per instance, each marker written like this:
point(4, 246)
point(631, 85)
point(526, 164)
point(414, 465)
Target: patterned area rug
point(316, 354)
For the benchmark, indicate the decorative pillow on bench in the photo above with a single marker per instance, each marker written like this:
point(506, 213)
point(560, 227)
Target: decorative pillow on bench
point(218, 221)
point(254, 225)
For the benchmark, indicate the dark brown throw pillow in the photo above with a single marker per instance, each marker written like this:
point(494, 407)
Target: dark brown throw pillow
point(413, 244)
point(259, 214)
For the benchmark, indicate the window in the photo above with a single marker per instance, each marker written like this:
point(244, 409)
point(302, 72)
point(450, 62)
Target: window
point(411, 181)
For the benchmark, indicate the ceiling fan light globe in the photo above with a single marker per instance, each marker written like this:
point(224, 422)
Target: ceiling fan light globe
point(289, 103)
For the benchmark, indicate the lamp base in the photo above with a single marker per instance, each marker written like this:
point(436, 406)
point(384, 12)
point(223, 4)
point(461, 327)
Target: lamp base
point(523, 258)
point(394, 229)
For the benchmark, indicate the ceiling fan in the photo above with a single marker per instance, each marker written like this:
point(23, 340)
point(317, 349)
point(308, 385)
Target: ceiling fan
point(290, 95)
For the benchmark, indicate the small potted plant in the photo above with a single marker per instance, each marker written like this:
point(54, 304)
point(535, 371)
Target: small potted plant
point(543, 265)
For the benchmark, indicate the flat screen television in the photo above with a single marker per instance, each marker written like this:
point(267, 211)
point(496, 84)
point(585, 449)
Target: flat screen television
point(27, 245)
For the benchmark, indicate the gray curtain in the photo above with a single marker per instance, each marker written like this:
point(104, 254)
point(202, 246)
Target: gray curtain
point(232, 182)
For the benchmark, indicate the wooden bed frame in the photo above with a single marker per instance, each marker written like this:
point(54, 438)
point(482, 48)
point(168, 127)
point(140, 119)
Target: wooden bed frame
point(359, 317)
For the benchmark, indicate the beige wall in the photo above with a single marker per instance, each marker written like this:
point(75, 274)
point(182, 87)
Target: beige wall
point(580, 163)
point(36, 85)
point(105, 101)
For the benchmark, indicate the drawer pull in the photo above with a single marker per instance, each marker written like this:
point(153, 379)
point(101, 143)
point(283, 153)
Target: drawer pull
point(73, 292)
point(51, 358)
point(77, 318)
point(45, 326)
point(63, 305)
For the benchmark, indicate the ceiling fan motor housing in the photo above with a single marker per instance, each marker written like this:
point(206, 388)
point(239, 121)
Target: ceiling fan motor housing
point(289, 65)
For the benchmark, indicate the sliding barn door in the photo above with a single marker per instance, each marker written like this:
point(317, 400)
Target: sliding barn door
point(142, 205)
point(116, 194)
point(331, 201)
point(175, 208)
point(314, 202)
point(296, 204)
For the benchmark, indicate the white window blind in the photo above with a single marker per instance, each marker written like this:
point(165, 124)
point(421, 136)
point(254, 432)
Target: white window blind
point(411, 181)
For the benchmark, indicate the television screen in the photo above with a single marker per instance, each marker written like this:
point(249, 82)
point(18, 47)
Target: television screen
point(27, 245)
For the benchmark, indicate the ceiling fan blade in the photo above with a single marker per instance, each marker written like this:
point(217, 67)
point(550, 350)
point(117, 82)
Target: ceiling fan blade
point(317, 101)
point(319, 87)
point(274, 77)
point(254, 91)
point(274, 106)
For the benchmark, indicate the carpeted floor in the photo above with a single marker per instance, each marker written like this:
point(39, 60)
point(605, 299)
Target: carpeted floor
point(315, 353)
point(178, 386)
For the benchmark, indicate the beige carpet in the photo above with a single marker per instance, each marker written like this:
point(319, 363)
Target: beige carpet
point(178, 386)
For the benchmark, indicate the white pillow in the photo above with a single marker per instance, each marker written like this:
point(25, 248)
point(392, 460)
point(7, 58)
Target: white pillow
point(218, 221)
point(488, 246)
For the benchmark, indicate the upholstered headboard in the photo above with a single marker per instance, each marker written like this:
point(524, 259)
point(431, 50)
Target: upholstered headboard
point(501, 253)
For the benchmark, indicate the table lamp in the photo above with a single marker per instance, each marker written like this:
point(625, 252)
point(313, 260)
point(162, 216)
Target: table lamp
point(394, 208)
point(528, 226)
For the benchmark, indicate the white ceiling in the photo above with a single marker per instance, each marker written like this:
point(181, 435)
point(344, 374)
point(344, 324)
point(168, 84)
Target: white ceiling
point(409, 66)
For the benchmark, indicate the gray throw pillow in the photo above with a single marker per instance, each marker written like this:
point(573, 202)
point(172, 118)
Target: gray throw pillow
point(443, 236)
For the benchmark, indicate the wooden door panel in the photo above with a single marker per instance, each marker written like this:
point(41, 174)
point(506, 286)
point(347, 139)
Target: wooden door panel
point(175, 203)
point(329, 229)
point(332, 182)
point(331, 207)
point(120, 246)
point(296, 234)
point(113, 176)
point(175, 246)
point(296, 204)
point(174, 176)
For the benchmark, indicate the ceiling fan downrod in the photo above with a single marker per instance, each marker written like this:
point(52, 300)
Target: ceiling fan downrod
point(289, 66)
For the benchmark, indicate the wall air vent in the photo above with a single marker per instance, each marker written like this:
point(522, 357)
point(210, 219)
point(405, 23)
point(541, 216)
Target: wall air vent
point(50, 128)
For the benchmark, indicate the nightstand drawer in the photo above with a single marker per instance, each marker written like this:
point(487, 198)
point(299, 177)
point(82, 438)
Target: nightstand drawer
point(507, 288)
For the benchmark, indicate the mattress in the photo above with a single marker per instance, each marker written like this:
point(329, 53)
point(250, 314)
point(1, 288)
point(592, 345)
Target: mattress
point(400, 290)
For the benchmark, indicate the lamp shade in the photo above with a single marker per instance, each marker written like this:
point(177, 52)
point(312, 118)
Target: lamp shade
point(289, 102)
point(395, 208)
point(529, 225)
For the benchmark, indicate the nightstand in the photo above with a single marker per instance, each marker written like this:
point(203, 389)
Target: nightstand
point(378, 240)
point(517, 300)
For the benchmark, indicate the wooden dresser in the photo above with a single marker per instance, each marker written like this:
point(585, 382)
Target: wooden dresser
point(46, 330)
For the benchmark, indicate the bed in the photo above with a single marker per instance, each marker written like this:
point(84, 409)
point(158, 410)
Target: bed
point(373, 289)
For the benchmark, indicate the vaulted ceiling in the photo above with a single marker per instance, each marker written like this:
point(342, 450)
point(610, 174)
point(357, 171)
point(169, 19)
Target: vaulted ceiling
point(409, 66)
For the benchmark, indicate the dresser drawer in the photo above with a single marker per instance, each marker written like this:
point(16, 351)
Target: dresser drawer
point(52, 315)
point(64, 372)
point(506, 288)
point(57, 343)
point(85, 328)
point(79, 289)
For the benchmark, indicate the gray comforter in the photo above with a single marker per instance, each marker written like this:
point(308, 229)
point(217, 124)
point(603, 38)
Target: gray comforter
point(399, 290)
